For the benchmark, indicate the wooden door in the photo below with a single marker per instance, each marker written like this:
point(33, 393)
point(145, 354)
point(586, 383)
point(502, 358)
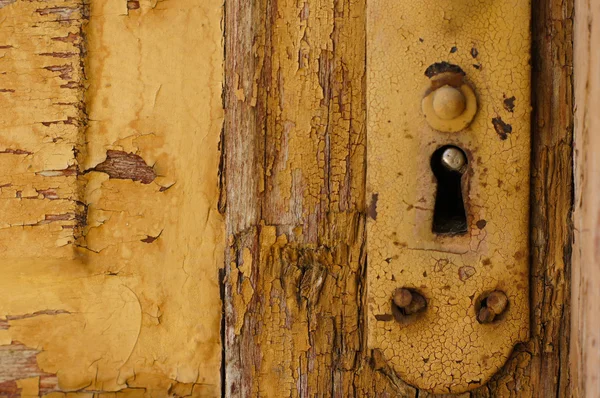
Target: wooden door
point(111, 238)
point(184, 206)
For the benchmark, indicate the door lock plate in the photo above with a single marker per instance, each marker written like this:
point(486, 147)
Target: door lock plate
point(448, 289)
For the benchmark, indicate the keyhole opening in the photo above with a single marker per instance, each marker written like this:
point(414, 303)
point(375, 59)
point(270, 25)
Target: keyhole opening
point(448, 164)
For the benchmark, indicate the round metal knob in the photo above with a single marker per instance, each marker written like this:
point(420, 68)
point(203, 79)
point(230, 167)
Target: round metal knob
point(448, 102)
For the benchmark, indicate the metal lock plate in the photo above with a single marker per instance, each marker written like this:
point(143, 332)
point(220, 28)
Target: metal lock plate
point(448, 346)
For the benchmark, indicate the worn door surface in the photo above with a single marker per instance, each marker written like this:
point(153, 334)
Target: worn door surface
point(110, 236)
point(183, 199)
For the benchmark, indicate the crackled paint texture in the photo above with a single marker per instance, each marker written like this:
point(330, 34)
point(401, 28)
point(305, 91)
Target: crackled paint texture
point(295, 167)
point(447, 350)
point(110, 239)
point(295, 273)
point(140, 316)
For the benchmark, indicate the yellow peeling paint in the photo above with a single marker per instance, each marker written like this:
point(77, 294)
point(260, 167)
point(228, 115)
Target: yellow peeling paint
point(446, 349)
point(29, 387)
point(294, 319)
point(113, 281)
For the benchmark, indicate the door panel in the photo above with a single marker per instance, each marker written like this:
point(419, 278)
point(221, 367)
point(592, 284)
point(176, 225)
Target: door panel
point(110, 191)
point(143, 215)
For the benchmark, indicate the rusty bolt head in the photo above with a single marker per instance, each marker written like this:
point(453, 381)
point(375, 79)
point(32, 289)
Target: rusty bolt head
point(493, 304)
point(402, 297)
point(417, 304)
point(497, 302)
point(485, 315)
point(409, 301)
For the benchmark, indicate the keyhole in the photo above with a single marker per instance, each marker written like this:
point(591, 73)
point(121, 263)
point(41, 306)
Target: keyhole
point(449, 163)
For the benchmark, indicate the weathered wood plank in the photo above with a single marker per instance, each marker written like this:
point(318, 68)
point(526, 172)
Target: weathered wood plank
point(539, 368)
point(585, 351)
point(293, 193)
point(112, 237)
point(41, 103)
point(41, 116)
point(294, 170)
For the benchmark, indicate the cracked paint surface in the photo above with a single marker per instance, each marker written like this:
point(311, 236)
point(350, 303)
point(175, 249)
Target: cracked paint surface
point(446, 349)
point(295, 170)
point(110, 238)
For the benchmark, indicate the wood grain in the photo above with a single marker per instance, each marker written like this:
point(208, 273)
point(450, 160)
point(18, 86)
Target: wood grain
point(293, 172)
point(292, 190)
point(294, 168)
point(585, 354)
point(539, 368)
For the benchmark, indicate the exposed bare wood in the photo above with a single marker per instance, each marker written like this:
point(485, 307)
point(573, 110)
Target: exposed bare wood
point(585, 347)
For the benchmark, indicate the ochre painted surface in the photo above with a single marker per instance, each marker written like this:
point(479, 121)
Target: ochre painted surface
point(446, 349)
point(295, 176)
point(311, 287)
point(110, 236)
point(295, 284)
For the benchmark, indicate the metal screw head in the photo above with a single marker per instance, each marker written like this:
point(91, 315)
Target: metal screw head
point(409, 302)
point(448, 102)
point(495, 304)
point(417, 304)
point(454, 159)
point(485, 315)
point(402, 297)
point(497, 301)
